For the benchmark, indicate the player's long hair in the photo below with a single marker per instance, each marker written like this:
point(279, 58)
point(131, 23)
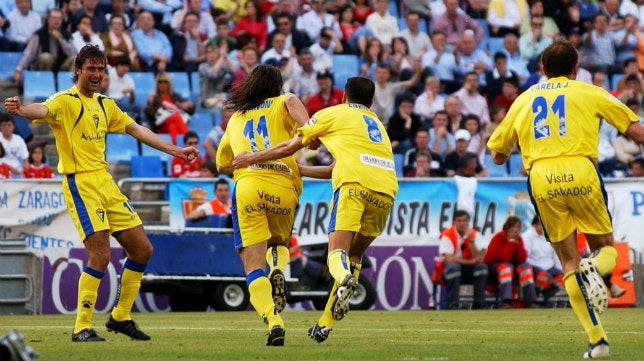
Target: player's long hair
point(559, 58)
point(88, 51)
point(360, 90)
point(263, 82)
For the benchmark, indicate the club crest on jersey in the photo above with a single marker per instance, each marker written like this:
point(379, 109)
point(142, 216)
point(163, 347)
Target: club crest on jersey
point(101, 214)
point(96, 120)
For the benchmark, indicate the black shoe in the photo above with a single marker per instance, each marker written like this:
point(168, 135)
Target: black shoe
point(319, 334)
point(278, 282)
point(276, 336)
point(14, 343)
point(86, 335)
point(128, 328)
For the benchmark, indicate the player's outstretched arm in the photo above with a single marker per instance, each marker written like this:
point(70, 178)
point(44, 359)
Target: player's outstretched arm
point(297, 110)
point(281, 150)
point(14, 106)
point(635, 131)
point(498, 158)
point(148, 137)
point(317, 171)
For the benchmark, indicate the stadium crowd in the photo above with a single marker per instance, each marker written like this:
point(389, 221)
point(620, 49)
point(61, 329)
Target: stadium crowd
point(451, 68)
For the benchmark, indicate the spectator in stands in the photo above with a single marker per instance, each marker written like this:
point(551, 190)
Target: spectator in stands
point(423, 166)
point(477, 143)
point(441, 140)
point(453, 23)
point(495, 77)
point(187, 169)
point(155, 50)
point(462, 141)
point(211, 143)
point(161, 10)
point(187, 45)
point(214, 75)
point(506, 16)
point(548, 275)
point(37, 166)
point(441, 62)
point(514, 61)
point(223, 36)
point(293, 37)
point(430, 100)
point(627, 39)
point(5, 169)
point(228, 10)
point(374, 53)
point(68, 8)
point(532, 43)
point(221, 204)
point(570, 20)
point(166, 110)
point(386, 91)
point(469, 58)
point(403, 125)
point(421, 142)
point(206, 23)
point(84, 34)
point(417, 40)
point(98, 21)
point(16, 152)
point(119, 8)
point(121, 88)
point(253, 23)
point(315, 19)
point(382, 24)
point(209, 169)
point(626, 151)
point(362, 9)
point(509, 92)
point(354, 34)
point(634, 90)
point(462, 261)
point(304, 79)
point(497, 113)
point(248, 59)
point(454, 111)
point(403, 63)
point(327, 96)
point(50, 48)
point(118, 42)
point(507, 258)
point(630, 67)
point(472, 102)
point(278, 49)
point(550, 28)
point(598, 47)
point(636, 168)
point(23, 23)
point(323, 49)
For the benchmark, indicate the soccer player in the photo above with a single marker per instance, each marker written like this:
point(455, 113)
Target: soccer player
point(265, 194)
point(556, 124)
point(80, 119)
point(364, 186)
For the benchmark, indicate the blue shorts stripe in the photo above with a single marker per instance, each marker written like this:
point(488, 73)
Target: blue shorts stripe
point(81, 209)
point(92, 272)
point(236, 233)
point(254, 275)
point(604, 193)
point(334, 213)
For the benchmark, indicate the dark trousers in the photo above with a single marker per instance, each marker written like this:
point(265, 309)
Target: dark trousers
point(456, 274)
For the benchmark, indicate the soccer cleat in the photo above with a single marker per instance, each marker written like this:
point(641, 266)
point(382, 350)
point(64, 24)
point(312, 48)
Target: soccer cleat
point(616, 291)
point(127, 327)
point(276, 336)
point(319, 334)
point(279, 289)
point(342, 296)
point(86, 335)
point(14, 343)
point(599, 349)
point(594, 288)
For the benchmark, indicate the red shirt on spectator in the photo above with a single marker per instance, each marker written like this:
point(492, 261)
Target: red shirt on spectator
point(185, 169)
point(41, 171)
point(317, 103)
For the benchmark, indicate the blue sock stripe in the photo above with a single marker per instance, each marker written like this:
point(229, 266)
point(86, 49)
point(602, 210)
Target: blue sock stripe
point(254, 275)
point(582, 288)
point(274, 251)
point(343, 258)
point(92, 272)
point(134, 266)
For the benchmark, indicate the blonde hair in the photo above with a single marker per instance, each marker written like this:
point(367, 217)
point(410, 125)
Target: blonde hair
point(163, 76)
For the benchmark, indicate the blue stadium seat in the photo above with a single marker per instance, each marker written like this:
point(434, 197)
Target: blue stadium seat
point(495, 170)
point(344, 67)
point(64, 80)
point(201, 123)
point(119, 148)
point(486, 34)
point(399, 160)
point(516, 163)
point(38, 85)
point(8, 63)
point(143, 86)
point(393, 9)
point(146, 166)
point(494, 45)
point(195, 87)
point(180, 83)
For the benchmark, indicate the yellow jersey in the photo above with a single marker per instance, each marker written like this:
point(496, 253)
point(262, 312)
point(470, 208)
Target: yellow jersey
point(559, 117)
point(359, 143)
point(257, 129)
point(80, 125)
